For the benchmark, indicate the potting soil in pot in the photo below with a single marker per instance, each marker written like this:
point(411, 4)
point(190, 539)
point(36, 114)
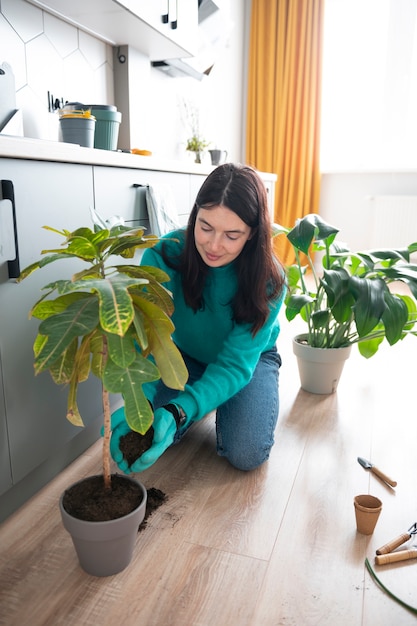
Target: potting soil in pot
point(89, 500)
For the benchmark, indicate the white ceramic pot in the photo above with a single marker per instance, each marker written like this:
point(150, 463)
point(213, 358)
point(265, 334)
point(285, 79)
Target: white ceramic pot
point(319, 368)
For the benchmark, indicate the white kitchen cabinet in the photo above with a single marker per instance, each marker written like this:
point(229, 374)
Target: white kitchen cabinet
point(5, 468)
point(33, 427)
point(121, 191)
point(175, 19)
point(139, 23)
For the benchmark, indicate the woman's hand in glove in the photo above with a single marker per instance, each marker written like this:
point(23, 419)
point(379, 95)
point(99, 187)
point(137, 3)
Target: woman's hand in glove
point(165, 427)
point(119, 429)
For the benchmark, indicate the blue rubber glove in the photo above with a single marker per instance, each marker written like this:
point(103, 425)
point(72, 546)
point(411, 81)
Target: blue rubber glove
point(164, 426)
point(119, 429)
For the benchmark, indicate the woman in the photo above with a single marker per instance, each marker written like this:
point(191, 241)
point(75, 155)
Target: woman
point(227, 288)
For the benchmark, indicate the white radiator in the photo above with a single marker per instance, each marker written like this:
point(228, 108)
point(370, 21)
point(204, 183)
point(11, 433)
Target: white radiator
point(393, 221)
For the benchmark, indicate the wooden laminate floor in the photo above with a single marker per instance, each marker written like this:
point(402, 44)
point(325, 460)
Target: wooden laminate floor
point(277, 546)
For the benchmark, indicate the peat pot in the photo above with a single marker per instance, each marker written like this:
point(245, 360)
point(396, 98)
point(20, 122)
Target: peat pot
point(106, 547)
point(319, 368)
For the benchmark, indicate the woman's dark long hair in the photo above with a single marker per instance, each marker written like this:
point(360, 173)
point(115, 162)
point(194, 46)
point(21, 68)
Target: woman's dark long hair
point(260, 275)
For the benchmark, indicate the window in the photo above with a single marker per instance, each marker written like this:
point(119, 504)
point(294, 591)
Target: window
point(369, 96)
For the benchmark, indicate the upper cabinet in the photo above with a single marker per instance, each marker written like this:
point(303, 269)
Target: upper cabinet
point(160, 29)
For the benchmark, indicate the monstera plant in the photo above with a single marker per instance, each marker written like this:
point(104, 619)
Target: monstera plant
point(106, 320)
point(355, 298)
point(345, 298)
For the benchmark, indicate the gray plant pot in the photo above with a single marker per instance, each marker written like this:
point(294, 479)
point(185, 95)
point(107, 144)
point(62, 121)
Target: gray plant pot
point(320, 369)
point(105, 548)
point(78, 130)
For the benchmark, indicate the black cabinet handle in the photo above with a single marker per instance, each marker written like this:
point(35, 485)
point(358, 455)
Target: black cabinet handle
point(171, 16)
point(174, 15)
point(7, 191)
point(165, 16)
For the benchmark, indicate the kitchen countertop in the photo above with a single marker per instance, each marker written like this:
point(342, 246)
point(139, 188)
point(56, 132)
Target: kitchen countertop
point(41, 150)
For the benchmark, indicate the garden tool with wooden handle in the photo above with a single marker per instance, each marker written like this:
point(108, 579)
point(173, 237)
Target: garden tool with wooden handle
point(375, 470)
point(386, 555)
point(400, 555)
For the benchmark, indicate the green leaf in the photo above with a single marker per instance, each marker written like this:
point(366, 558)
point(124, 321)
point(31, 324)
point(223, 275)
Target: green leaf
point(336, 284)
point(404, 273)
point(45, 308)
point(159, 328)
point(389, 254)
point(97, 351)
point(80, 318)
point(295, 304)
point(73, 413)
point(308, 229)
point(128, 381)
point(123, 244)
point(320, 319)
point(116, 378)
point(62, 369)
point(294, 275)
point(157, 293)
point(82, 364)
point(138, 411)
point(28, 271)
point(39, 343)
point(277, 229)
point(140, 329)
point(394, 318)
point(411, 305)
point(84, 246)
point(115, 302)
point(369, 303)
point(122, 350)
point(369, 347)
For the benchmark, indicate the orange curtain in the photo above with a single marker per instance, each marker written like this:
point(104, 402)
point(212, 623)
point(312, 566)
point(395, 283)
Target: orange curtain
point(283, 112)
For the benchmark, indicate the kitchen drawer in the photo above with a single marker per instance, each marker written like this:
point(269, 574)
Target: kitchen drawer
point(121, 192)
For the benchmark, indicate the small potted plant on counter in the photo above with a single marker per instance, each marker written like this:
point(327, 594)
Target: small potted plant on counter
point(353, 300)
point(106, 320)
point(196, 142)
point(197, 145)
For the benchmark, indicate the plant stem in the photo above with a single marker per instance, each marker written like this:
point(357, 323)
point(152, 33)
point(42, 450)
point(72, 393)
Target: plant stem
point(106, 441)
point(107, 430)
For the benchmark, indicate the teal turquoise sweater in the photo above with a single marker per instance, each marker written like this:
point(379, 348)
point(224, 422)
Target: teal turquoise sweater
point(211, 336)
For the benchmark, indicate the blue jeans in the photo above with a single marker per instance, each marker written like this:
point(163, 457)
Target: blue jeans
point(245, 424)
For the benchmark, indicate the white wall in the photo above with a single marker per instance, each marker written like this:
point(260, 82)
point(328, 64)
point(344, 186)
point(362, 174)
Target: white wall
point(48, 54)
point(344, 201)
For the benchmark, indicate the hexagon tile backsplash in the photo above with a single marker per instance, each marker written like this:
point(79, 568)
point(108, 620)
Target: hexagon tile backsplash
point(47, 54)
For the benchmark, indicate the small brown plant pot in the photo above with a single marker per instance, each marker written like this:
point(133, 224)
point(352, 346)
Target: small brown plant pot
point(367, 511)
